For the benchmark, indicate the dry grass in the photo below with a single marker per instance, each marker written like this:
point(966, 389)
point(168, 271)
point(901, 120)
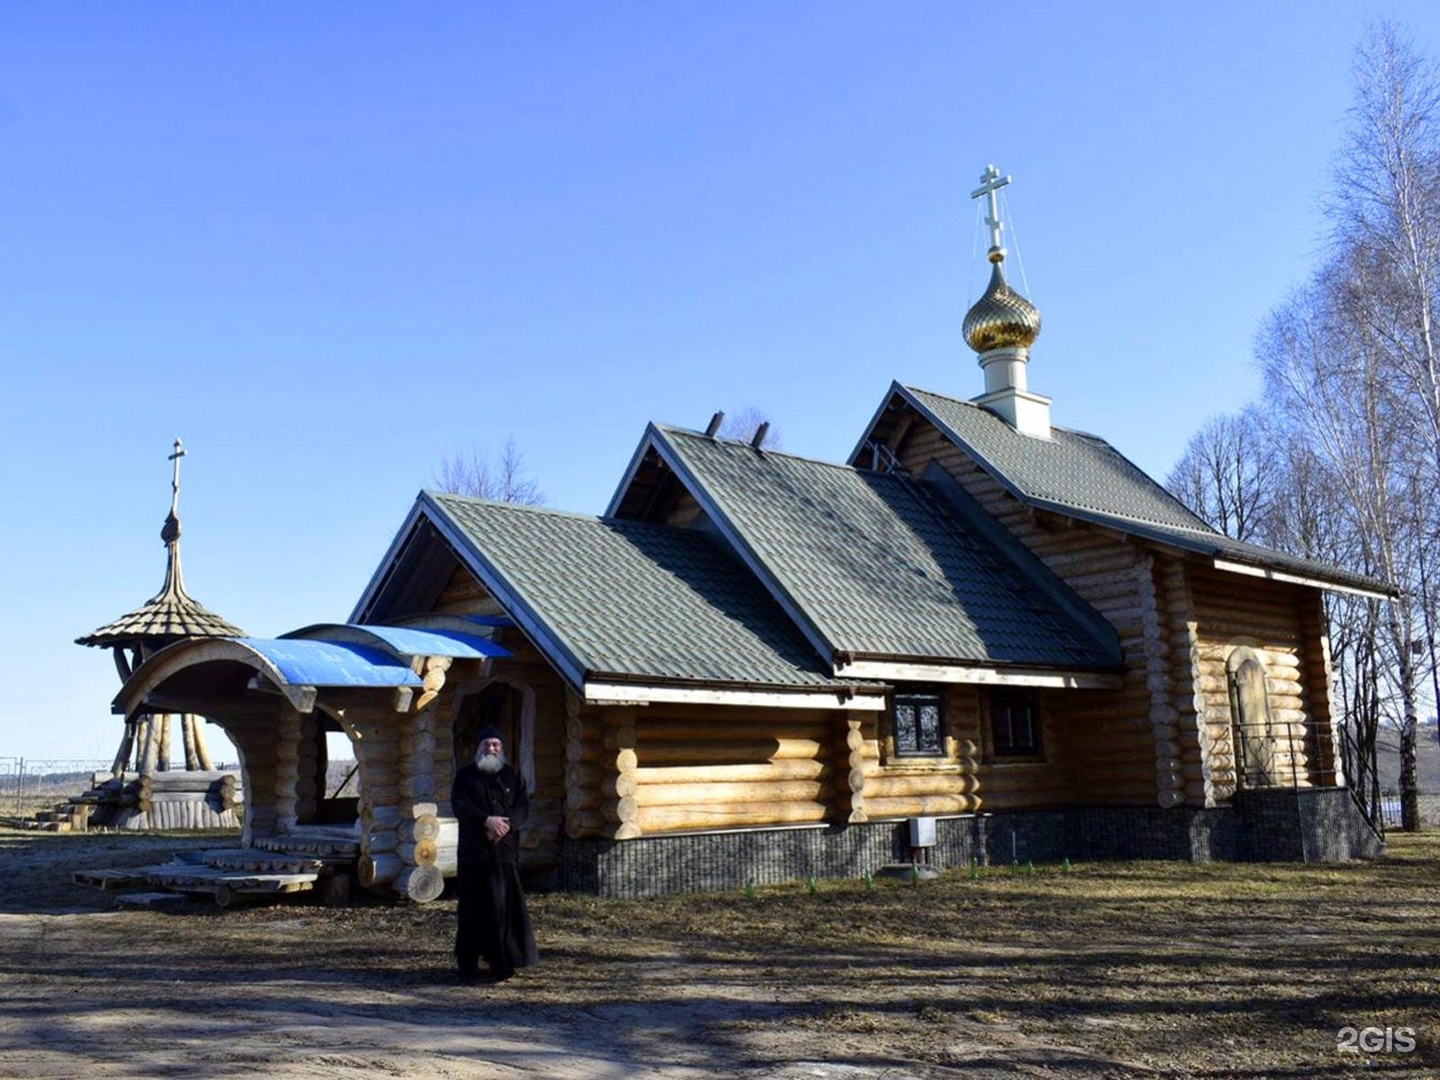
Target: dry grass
point(1116, 969)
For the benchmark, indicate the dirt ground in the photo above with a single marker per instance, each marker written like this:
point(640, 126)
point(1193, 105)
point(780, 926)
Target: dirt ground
point(1104, 970)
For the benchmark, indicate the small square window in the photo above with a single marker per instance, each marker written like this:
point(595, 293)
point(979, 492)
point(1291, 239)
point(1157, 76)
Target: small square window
point(1015, 723)
point(917, 719)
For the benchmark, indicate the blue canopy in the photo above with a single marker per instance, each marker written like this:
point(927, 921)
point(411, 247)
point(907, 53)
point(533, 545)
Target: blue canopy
point(404, 641)
point(331, 663)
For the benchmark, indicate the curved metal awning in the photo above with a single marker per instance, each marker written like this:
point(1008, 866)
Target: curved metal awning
point(404, 642)
point(305, 661)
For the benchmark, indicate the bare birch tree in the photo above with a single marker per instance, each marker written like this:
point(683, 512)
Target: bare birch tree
point(1348, 471)
point(1227, 473)
point(501, 476)
point(743, 425)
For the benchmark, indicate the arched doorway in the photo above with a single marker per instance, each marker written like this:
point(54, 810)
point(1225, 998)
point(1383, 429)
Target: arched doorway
point(510, 709)
point(1254, 731)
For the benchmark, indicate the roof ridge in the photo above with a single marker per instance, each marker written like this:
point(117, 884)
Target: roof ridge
point(1099, 442)
point(839, 465)
point(970, 404)
point(519, 508)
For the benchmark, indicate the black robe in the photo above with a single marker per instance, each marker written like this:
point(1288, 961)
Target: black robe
point(492, 921)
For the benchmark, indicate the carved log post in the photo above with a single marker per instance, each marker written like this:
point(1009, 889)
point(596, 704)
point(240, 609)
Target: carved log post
point(162, 749)
point(287, 768)
point(202, 752)
point(122, 756)
point(187, 738)
point(149, 746)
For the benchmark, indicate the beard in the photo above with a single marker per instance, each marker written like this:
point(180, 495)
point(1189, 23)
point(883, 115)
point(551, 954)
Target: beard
point(490, 763)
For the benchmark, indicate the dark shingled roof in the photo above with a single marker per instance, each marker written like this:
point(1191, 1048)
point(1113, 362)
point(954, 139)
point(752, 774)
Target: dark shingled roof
point(169, 615)
point(632, 599)
point(1084, 476)
point(876, 564)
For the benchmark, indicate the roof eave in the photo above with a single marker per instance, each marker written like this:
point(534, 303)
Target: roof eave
point(636, 460)
point(1378, 590)
point(929, 669)
point(868, 433)
point(562, 656)
point(387, 563)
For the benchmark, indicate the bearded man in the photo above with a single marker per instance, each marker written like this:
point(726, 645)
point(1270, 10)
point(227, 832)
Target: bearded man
point(490, 801)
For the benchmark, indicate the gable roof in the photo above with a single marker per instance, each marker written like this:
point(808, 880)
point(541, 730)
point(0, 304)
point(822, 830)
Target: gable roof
point(872, 565)
point(609, 599)
point(1084, 477)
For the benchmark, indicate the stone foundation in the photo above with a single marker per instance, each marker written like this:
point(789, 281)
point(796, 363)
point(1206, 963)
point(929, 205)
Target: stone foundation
point(1262, 826)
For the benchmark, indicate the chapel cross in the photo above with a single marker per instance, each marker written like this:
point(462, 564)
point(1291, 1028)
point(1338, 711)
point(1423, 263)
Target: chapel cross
point(990, 182)
point(175, 456)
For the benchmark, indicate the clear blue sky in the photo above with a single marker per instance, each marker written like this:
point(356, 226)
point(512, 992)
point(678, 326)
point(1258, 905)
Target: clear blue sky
point(328, 243)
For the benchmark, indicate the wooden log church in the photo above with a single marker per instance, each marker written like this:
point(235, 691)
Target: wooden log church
point(755, 667)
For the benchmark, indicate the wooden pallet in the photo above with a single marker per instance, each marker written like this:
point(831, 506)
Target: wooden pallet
point(331, 843)
point(226, 886)
point(113, 879)
point(258, 860)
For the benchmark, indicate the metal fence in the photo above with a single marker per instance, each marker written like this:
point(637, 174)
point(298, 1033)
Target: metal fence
point(28, 784)
point(1390, 811)
point(26, 781)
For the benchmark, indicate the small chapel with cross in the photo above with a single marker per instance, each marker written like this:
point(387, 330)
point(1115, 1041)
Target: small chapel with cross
point(203, 796)
point(980, 636)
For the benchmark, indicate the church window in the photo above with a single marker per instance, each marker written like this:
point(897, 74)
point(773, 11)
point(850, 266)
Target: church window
point(1254, 729)
point(917, 720)
point(1014, 723)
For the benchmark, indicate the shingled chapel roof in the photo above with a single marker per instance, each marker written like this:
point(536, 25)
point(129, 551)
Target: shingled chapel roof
point(880, 565)
point(1083, 477)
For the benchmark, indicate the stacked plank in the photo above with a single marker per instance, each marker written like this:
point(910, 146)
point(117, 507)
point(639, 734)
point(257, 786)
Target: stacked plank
point(254, 740)
point(414, 868)
point(376, 739)
point(262, 861)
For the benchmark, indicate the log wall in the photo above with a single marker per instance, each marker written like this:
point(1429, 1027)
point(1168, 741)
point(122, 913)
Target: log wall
point(904, 787)
point(257, 748)
point(1281, 623)
point(1118, 741)
point(667, 768)
point(463, 595)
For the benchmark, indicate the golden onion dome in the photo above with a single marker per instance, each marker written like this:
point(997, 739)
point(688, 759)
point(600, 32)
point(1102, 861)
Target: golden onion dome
point(1001, 318)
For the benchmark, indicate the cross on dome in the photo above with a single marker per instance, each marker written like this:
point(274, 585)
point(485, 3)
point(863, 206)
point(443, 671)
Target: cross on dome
point(990, 183)
point(175, 456)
